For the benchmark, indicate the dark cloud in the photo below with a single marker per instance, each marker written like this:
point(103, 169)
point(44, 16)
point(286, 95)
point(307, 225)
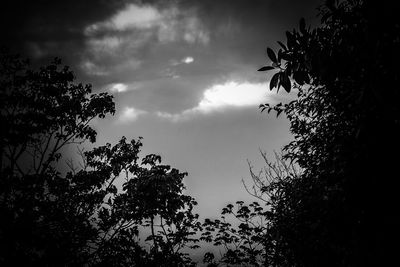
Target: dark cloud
point(244, 28)
point(51, 28)
point(47, 20)
point(48, 23)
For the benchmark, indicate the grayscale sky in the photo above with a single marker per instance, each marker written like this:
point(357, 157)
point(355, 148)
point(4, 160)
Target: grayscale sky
point(183, 74)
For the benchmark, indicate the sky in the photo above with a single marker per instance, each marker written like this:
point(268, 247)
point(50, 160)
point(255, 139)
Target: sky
point(183, 74)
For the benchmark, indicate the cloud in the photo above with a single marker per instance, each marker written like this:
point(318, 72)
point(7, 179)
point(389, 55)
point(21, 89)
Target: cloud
point(122, 87)
point(188, 60)
point(104, 43)
point(195, 32)
point(146, 35)
point(220, 97)
point(133, 16)
point(136, 16)
point(118, 88)
point(168, 24)
point(185, 60)
point(130, 114)
point(232, 94)
point(93, 69)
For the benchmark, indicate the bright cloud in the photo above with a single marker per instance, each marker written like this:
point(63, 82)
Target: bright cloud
point(185, 60)
point(222, 96)
point(136, 16)
point(232, 94)
point(188, 60)
point(118, 88)
point(130, 114)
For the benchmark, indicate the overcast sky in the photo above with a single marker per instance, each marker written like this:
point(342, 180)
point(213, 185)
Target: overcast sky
point(183, 74)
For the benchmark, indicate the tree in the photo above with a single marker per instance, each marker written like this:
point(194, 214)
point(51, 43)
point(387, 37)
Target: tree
point(41, 113)
point(345, 123)
point(242, 244)
point(151, 197)
point(249, 236)
point(85, 216)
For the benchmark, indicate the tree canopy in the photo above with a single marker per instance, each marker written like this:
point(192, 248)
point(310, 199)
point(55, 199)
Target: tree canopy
point(96, 214)
point(345, 124)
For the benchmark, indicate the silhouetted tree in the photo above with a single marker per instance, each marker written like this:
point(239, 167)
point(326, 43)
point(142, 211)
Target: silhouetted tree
point(151, 197)
point(345, 123)
point(41, 113)
point(249, 236)
point(242, 244)
point(94, 215)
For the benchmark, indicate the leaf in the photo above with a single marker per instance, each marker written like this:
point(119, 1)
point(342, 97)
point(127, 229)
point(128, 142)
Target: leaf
point(271, 55)
point(280, 52)
point(285, 56)
point(285, 81)
point(290, 40)
point(282, 45)
point(274, 81)
point(266, 68)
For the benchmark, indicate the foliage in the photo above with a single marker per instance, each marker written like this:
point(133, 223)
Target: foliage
point(94, 215)
point(41, 113)
point(152, 197)
point(247, 234)
point(243, 244)
point(345, 123)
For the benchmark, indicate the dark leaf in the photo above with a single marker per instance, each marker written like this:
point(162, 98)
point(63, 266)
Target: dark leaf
point(266, 68)
point(280, 52)
point(290, 40)
point(285, 56)
point(271, 55)
point(285, 81)
point(274, 81)
point(282, 45)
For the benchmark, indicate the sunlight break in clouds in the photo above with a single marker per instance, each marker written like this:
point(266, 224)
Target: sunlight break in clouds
point(222, 96)
point(188, 60)
point(130, 114)
point(232, 94)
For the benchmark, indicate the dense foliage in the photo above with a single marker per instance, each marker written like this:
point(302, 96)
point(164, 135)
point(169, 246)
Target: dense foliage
point(247, 235)
point(115, 209)
point(345, 123)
